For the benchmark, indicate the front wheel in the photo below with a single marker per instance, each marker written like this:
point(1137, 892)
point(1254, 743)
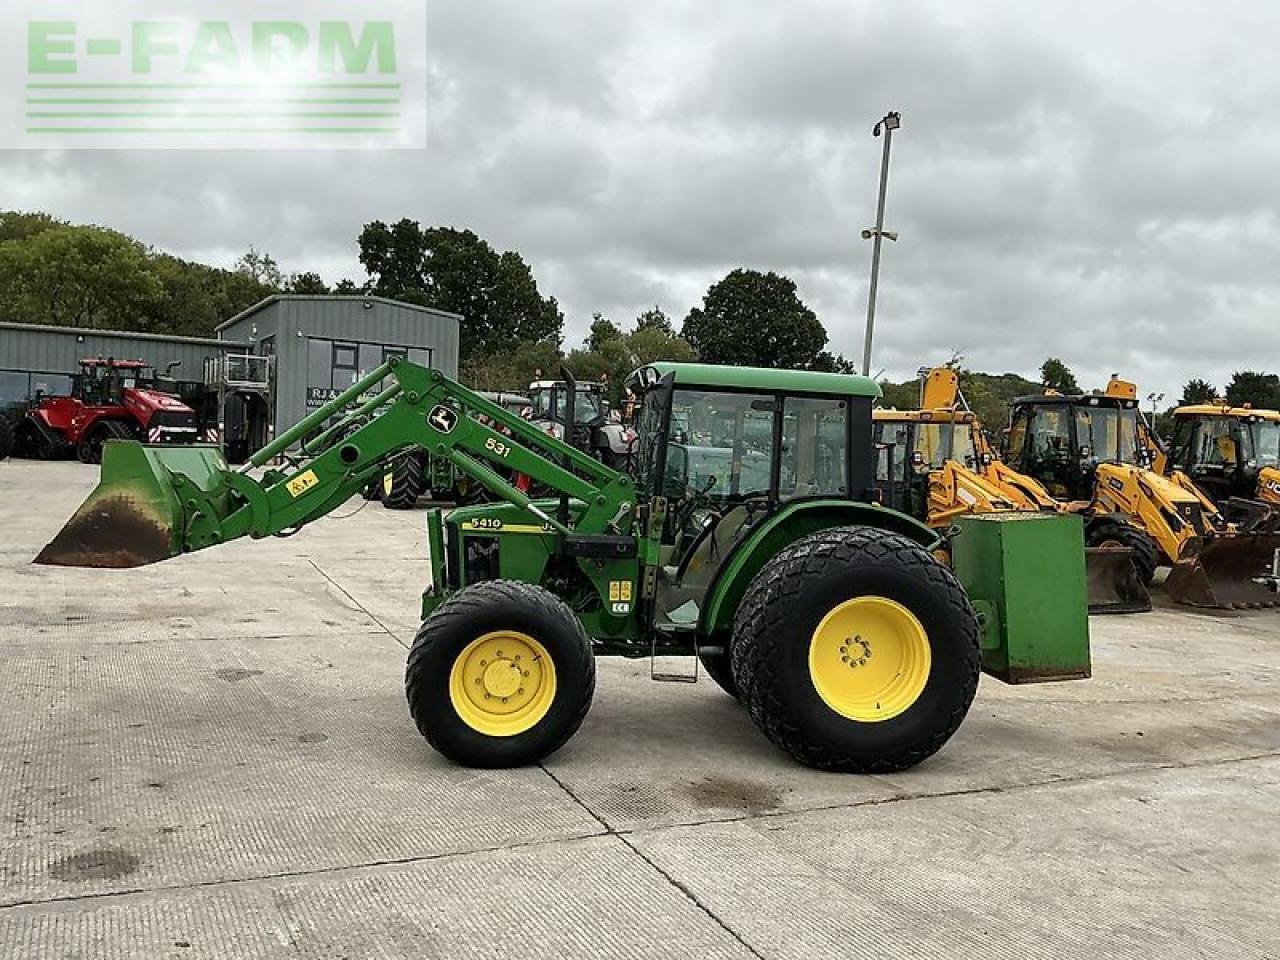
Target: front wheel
point(500, 675)
point(856, 651)
point(1117, 533)
point(404, 481)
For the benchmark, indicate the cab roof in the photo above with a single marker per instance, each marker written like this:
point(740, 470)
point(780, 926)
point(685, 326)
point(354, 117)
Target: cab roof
point(1224, 410)
point(758, 378)
point(1076, 400)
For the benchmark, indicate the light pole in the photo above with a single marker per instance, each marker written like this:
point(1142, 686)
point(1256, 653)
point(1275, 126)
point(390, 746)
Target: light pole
point(892, 120)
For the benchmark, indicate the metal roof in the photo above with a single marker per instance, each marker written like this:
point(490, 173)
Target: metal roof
point(279, 297)
point(122, 334)
point(767, 379)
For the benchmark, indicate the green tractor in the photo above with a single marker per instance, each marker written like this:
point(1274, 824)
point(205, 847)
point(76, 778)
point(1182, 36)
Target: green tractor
point(746, 539)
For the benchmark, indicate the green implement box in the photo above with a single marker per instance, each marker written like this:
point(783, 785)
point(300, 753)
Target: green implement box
point(1025, 574)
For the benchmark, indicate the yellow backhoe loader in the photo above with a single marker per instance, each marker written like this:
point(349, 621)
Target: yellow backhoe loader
point(1233, 455)
point(1093, 453)
point(936, 464)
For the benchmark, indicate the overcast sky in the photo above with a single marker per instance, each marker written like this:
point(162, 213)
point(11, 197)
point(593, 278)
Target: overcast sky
point(1097, 181)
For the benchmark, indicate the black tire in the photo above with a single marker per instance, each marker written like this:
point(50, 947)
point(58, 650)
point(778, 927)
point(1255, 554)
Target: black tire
point(615, 461)
point(89, 450)
point(1106, 532)
point(720, 669)
point(41, 443)
point(404, 482)
point(473, 612)
point(787, 601)
point(6, 436)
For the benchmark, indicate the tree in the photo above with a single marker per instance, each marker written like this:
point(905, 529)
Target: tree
point(602, 331)
point(76, 276)
point(829, 362)
point(655, 319)
point(755, 319)
point(306, 283)
point(1198, 391)
point(456, 270)
point(1056, 375)
point(613, 356)
point(262, 268)
point(1259, 389)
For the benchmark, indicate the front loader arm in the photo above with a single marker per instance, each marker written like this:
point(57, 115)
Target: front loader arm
point(187, 503)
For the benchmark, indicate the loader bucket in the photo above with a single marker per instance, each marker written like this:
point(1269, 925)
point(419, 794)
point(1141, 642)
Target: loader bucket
point(1226, 573)
point(1113, 581)
point(134, 516)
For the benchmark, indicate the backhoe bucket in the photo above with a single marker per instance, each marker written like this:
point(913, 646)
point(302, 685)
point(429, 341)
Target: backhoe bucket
point(1113, 581)
point(134, 516)
point(1227, 573)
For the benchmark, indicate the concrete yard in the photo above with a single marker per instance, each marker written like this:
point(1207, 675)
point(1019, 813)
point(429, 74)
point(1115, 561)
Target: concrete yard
point(212, 758)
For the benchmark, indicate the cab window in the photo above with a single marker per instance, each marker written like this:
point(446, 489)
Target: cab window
point(1215, 444)
point(814, 447)
point(720, 445)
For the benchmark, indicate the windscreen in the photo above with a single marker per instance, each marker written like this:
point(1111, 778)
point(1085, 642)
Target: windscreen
point(1265, 435)
point(1111, 433)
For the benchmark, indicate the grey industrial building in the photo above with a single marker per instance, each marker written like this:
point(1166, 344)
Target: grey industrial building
point(324, 344)
point(267, 367)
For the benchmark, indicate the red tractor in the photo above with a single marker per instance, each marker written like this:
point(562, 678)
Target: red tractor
point(110, 400)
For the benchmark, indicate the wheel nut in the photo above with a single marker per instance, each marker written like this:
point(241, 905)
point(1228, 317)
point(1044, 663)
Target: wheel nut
point(521, 690)
point(504, 699)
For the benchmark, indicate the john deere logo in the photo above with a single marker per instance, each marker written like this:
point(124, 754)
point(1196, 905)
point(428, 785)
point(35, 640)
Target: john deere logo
point(442, 418)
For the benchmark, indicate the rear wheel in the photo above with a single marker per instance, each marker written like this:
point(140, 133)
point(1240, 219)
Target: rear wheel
point(89, 450)
point(40, 443)
point(404, 481)
point(1116, 533)
point(500, 675)
point(856, 651)
point(720, 670)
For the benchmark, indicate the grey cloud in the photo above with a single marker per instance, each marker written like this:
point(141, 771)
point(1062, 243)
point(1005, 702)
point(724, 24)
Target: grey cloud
point(1070, 179)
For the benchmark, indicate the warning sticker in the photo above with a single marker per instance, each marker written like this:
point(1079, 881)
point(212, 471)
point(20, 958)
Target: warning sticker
point(302, 483)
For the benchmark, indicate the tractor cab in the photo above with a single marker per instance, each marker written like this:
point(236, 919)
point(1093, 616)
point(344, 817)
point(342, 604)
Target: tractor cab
point(726, 449)
point(102, 382)
point(1060, 440)
point(547, 399)
point(913, 444)
point(1228, 451)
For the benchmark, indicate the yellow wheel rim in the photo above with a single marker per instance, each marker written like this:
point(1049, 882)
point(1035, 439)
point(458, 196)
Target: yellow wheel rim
point(502, 683)
point(869, 659)
point(388, 483)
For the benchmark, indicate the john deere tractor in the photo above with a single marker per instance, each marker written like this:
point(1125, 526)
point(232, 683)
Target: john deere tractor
point(745, 540)
point(1092, 452)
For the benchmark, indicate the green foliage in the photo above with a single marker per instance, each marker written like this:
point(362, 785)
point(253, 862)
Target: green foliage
point(512, 369)
point(261, 268)
point(76, 277)
point(1056, 375)
point(458, 271)
point(829, 362)
point(1198, 391)
point(61, 274)
point(988, 395)
point(755, 319)
point(1262, 390)
point(306, 283)
point(612, 357)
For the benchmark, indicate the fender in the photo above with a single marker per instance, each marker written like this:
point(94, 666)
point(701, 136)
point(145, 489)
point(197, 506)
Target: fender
point(795, 520)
